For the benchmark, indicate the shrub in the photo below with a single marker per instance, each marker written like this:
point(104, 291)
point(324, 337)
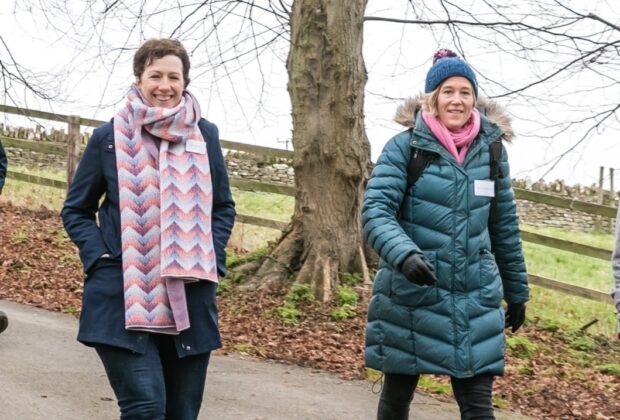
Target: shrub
point(347, 296)
point(234, 260)
point(343, 312)
point(610, 369)
point(224, 287)
point(520, 347)
point(550, 325)
point(300, 293)
point(350, 279)
point(288, 313)
point(580, 341)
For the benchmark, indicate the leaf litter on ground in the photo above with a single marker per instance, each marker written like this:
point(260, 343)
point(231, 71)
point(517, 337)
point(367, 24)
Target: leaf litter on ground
point(558, 379)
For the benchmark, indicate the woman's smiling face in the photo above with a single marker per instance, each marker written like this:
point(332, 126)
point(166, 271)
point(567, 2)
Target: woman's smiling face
point(161, 82)
point(455, 102)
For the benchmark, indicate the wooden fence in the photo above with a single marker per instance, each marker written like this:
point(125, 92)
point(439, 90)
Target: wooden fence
point(73, 147)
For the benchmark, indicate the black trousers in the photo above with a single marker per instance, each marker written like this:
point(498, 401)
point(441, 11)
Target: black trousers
point(473, 396)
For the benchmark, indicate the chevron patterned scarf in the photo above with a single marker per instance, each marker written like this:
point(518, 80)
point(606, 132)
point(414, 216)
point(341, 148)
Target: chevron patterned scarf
point(165, 204)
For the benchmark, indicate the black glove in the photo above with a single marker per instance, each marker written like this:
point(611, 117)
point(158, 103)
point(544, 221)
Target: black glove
point(515, 316)
point(419, 270)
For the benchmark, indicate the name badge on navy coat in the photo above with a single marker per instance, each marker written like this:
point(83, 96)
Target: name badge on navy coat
point(196, 146)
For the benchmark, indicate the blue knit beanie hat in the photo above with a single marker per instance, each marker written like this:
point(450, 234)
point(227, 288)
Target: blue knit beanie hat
point(447, 64)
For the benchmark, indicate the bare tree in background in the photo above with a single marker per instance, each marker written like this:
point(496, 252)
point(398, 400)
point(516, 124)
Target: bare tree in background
point(557, 44)
point(332, 155)
point(323, 38)
point(17, 80)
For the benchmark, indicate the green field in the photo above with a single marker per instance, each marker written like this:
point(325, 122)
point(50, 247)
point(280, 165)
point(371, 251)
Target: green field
point(545, 306)
point(568, 311)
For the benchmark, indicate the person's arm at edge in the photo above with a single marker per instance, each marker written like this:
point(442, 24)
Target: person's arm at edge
point(615, 266)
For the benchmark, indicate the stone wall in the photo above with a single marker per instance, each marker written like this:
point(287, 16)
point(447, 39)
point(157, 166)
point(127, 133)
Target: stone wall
point(38, 133)
point(244, 165)
point(251, 167)
point(543, 215)
point(247, 166)
point(20, 157)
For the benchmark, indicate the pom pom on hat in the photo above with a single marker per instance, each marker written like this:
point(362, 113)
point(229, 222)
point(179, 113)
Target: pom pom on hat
point(447, 64)
point(443, 53)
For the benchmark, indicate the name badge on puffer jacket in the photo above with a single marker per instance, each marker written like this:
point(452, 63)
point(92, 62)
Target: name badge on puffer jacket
point(484, 188)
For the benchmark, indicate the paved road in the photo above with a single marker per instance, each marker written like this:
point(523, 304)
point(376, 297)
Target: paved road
point(45, 374)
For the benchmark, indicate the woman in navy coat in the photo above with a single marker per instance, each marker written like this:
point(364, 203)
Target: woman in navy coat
point(157, 371)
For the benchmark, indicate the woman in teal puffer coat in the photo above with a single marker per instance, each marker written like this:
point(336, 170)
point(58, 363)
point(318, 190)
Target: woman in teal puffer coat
point(446, 261)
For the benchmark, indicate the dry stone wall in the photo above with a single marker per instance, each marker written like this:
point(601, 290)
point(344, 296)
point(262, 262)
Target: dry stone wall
point(38, 133)
point(264, 169)
point(243, 165)
point(543, 215)
point(20, 157)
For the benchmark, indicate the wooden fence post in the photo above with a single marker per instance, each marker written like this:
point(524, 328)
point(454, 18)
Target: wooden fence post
point(612, 191)
point(601, 179)
point(73, 147)
point(598, 222)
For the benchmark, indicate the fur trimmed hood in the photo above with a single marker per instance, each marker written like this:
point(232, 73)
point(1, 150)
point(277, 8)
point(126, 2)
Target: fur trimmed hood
point(405, 114)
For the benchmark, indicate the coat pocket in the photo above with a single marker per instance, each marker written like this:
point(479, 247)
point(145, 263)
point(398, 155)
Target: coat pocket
point(406, 293)
point(103, 264)
point(491, 289)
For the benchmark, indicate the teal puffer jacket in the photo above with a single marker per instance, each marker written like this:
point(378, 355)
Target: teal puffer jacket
point(457, 326)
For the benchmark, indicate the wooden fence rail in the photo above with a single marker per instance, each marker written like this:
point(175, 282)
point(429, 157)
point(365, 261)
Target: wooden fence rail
point(577, 248)
point(73, 149)
point(48, 148)
point(571, 289)
point(50, 116)
point(566, 203)
point(33, 179)
point(60, 149)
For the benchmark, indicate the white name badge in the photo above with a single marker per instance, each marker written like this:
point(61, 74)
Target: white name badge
point(196, 146)
point(484, 188)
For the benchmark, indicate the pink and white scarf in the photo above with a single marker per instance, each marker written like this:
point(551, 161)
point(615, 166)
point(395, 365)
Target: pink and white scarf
point(165, 204)
point(456, 142)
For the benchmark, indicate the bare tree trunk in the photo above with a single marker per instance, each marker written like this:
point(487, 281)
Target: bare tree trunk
point(332, 155)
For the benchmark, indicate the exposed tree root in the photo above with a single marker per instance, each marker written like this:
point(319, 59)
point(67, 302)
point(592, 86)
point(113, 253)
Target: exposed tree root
point(278, 267)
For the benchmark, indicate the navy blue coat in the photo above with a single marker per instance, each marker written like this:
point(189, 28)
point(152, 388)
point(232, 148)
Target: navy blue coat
point(102, 320)
point(3, 165)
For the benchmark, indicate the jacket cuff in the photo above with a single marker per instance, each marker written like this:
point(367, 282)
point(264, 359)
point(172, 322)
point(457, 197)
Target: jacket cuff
point(90, 256)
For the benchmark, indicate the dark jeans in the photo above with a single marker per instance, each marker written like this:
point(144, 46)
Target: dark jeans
point(472, 394)
point(155, 385)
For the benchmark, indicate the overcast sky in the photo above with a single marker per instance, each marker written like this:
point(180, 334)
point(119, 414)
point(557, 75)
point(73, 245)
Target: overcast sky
point(254, 109)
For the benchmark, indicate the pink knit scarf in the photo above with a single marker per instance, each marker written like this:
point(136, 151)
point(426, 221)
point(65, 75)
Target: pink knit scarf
point(456, 142)
point(165, 204)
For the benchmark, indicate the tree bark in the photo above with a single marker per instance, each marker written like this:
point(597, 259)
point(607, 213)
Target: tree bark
point(327, 77)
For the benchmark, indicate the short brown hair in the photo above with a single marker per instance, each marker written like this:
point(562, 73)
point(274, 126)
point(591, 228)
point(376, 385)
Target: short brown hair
point(153, 49)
